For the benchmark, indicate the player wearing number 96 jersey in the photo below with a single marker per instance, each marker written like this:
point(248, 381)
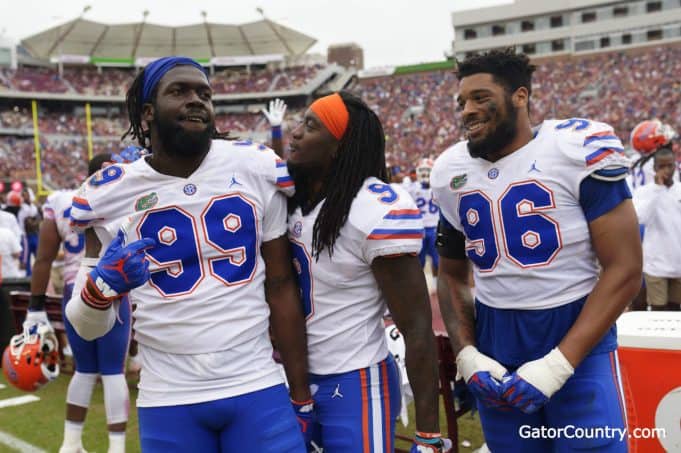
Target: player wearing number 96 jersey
point(355, 239)
point(196, 233)
point(536, 212)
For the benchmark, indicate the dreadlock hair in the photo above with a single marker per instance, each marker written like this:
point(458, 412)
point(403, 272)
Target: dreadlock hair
point(361, 154)
point(510, 69)
point(134, 106)
point(664, 150)
point(96, 162)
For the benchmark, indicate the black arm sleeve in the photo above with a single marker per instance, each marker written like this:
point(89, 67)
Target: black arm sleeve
point(451, 243)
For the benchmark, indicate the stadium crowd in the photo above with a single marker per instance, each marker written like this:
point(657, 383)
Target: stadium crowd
point(114, 81)
point(417, 109)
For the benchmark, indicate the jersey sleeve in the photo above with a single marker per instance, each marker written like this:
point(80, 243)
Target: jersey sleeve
point(98, 199)
point(273, 168)
point(274, 218)
point(49, 210)
point(389, 221)
point(593, 149)
point(447, 176)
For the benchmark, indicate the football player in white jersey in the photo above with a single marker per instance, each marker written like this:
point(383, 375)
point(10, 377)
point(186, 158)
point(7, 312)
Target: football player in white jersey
point(646, 138)
point(355, 241)
point(195, 233)
point(103, 357)
point(536, 213)
point(422, 194)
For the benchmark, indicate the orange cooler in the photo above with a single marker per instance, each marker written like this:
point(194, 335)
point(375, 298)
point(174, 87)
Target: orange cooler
point(650, 364)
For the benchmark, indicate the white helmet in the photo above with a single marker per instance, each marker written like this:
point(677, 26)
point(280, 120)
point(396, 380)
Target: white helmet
point(423, 169)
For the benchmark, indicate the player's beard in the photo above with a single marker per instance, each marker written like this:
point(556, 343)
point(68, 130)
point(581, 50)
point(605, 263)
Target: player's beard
point(180, 142)
point(501, 136)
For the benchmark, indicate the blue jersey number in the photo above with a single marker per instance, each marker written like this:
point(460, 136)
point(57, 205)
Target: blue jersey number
point(301, 263)
point(531, 238)
point(69, 246)
point(421, 204)
point(475, 211)
point(229, 226)
point(388, 195)
point(106, 175)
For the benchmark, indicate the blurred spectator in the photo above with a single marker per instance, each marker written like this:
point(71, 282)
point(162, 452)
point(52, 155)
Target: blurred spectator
point(658, 207)
point(10, 250)
point(29, 222)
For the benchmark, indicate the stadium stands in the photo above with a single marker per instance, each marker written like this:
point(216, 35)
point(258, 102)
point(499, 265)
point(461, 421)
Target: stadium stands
point(114, 82)
point(417, 109)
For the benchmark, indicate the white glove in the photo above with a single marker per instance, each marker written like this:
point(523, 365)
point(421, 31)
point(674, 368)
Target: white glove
point(275, 115)
point(547, 374)
point(470, 361)
point(483, 376)
point(33, 320)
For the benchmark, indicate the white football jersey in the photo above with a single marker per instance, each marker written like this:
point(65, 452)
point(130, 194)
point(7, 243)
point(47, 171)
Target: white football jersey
point(641, 175)
point(58, 208)
point(9, 246)
point(206, 292)
point(525, 229)
point(423, 197)
point(343, 304)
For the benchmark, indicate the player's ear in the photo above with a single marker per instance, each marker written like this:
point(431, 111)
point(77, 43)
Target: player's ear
point(147, 112)
point(520, 98)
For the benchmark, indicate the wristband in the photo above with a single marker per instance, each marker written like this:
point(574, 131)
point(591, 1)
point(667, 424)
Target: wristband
point(276, 132)
point(423, 435)
point(37, 302)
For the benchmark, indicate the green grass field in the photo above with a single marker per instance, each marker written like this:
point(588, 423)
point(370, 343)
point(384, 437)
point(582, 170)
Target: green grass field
point(41, 423)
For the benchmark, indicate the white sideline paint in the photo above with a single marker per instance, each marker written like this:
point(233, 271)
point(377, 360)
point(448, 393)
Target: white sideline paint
point(18, 444)
point(18, 400)
point(2, 386)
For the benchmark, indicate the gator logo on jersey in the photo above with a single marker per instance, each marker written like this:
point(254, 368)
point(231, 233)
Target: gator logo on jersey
point(458, 182)
point(146, 202)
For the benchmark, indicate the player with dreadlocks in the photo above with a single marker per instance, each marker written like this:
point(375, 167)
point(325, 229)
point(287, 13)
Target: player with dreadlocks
point(646, 138)
point(355, 241)
point(195, 234)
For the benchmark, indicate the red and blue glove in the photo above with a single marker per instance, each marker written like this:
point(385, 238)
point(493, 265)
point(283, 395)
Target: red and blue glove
point(117, 272)
point(430, 443)
point(307, 419)
point(531, 386)
point(483, 376)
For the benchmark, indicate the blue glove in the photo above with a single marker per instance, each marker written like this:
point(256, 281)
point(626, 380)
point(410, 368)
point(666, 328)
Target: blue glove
point(128, 154)
point(482, 375)
point(430, 444)
point(117, 272)
point(307, 418)
point(531, 386)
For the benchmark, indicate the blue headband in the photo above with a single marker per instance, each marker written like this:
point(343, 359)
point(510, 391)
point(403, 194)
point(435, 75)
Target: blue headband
point(155, 71)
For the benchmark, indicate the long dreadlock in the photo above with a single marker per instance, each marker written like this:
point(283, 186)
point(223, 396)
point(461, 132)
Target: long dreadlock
point(134, 106)
point(361, 154)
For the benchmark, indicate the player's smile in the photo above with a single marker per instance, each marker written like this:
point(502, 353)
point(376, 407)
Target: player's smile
point(475, 128)
point(197, 121)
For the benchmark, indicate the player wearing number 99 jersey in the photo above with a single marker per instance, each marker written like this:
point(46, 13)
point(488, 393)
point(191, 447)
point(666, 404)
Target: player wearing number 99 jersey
point(208, 215)
point(535, 212)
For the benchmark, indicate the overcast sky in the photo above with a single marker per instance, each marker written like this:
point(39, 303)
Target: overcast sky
point(392, 32)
